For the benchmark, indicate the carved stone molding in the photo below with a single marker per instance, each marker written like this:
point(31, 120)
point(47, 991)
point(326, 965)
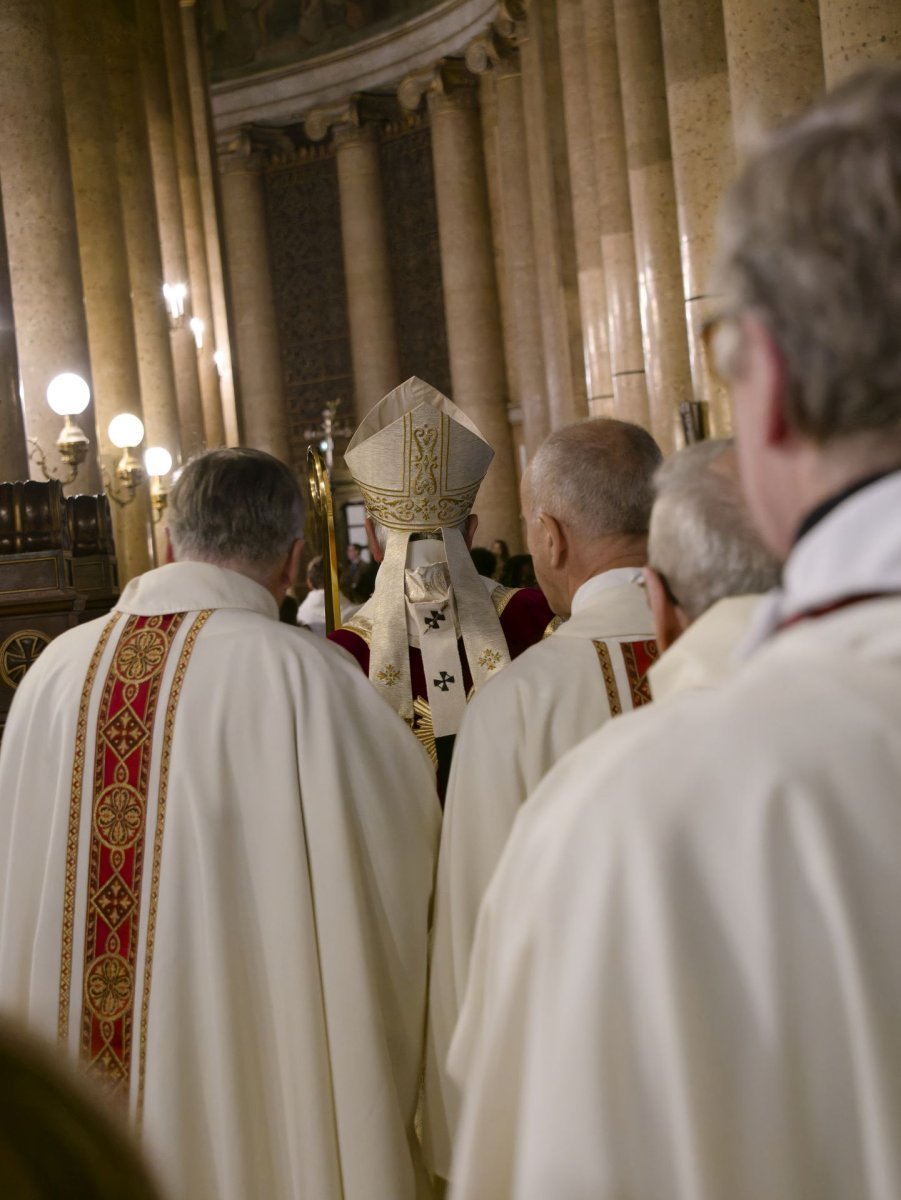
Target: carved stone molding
point(361, 113)
point(490, 52)
point(447, 84)
point(252, 148)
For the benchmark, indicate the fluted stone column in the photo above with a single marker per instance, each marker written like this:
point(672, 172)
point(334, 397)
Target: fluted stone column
point(586, 208)
point(200, 113)
point(192, 210)
point(858, 32)
point(104, 261)
point(775, 62)
point(13, 448)
point(188, 415)
point(500, 68)
point(552, 217)
point(700, 121)
point(630, 391)
point(367, 268)
point(652, 192)
point(256, 349)
point(471, 306)
point(155, 366)
point(39, 213)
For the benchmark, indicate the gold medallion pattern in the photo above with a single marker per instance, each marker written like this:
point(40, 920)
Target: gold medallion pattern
point(18, 653)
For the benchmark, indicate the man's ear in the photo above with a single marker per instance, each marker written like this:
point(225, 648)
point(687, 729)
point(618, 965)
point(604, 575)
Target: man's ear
point(374, 548)
point(555, 540)
point(169, 556)
point(768, 372)
point(472, 524)
point(670, 621)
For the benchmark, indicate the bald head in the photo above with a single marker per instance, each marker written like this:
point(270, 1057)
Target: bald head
point(595, 477)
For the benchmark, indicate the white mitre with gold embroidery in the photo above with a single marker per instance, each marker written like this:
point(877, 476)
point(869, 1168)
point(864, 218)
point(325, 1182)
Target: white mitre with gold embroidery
point(419, 461)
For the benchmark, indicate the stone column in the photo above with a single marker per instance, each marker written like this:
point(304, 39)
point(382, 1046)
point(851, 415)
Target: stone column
point(775, 62)
point(630, 390)
point(41, 235)
point(586, 208)
point(552, 214)
point(155, 366)
point(470, 290)
point(367, 269)
point(200, 112)
point(104, 262)
point(192, 210)
point(13, 447)
point(498, 63)
point(652, 192)
point(856, 34)
point(261, 406)
point(188, 415)
point(700, 121)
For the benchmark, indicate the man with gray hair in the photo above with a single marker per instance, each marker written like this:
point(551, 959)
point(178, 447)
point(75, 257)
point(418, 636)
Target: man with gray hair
point(586, 500)
point(216, 855)
point(687, 976)
point(707, 568)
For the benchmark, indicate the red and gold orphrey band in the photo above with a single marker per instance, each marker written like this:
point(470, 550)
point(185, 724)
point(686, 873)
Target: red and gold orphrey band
point(639, 658)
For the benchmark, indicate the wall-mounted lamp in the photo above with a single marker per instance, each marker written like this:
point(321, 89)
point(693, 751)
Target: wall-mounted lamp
point(157, 464)
point(68, 395)
point(176, 297)
point(197, 328)
point(126, 431)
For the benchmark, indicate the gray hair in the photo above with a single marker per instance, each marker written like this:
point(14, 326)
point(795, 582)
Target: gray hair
point(235, 505)
point(701, 538)
point(596, 476)
point(810, 236)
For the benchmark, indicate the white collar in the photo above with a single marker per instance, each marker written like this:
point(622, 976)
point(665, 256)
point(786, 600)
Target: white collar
point(853, 551)
point(191, 586)
point(704, 654)
point(591, 588)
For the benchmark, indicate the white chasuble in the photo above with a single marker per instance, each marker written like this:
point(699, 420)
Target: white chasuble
point(216, 854)
point(593, 667)
point(686, 977)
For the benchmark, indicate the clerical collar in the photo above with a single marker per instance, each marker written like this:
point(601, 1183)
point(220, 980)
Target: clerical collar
point(825, 508)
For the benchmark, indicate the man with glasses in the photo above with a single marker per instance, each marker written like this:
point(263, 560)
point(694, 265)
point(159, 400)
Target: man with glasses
point(686, 977)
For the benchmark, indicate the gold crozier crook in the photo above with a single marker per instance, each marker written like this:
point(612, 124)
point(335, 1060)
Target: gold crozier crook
point(321, 496)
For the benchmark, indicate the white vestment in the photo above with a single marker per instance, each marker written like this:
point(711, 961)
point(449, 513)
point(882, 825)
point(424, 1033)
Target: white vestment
point(686, 980)
point(705, 654)
point(249, 977)
point(311, 611)
point(547, 701)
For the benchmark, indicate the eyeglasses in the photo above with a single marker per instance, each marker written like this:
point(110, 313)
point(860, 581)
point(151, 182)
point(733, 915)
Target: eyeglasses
point(722, 339)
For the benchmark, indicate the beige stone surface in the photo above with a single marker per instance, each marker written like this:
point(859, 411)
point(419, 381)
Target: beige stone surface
point(13, 448)
point(552, 215)
point(652, 191)
point(188, 413)
point(775, 62)
point(585, 206)
point(206, 172)
point(257, 361)
point(471, 300)
point(192, 211)
point(615, 213)
point(104, 259)
point(39, 215)
point(367, 269)
point(700, 121)
point(857, 33)
point(517, 266)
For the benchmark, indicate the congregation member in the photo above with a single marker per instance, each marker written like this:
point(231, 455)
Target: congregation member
point(218, 911)
point(434, 632)
point(707, 568)
point(586, 502)
point(311, 610)
point(686, 976)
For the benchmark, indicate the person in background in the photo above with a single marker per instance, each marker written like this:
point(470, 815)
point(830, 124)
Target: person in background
point(311, 612)
point(501, 552)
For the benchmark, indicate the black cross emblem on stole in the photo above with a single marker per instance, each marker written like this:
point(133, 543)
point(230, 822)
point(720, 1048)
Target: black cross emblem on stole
point(434, 617)
point(443, 680)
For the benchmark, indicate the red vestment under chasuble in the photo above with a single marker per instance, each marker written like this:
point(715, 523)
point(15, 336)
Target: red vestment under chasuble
point(212, 905)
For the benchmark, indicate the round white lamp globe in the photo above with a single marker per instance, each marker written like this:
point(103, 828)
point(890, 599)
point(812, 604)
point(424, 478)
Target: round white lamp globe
point(68, 395)
point(157, 460)
point(126, 431)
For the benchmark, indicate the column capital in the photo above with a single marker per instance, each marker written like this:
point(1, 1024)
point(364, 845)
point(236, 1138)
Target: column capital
point(493, 52)
point(447, 84)
point(358, 117)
